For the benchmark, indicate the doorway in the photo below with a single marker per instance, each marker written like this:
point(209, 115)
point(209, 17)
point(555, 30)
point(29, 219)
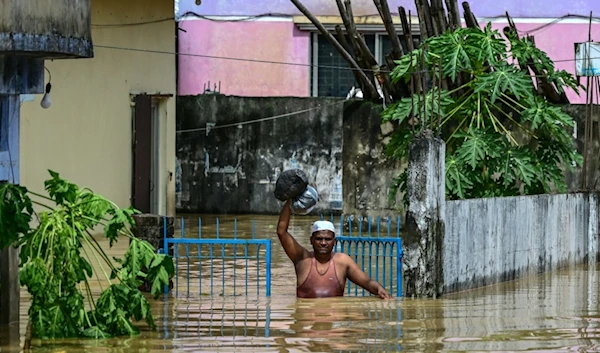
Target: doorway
point(147, 183)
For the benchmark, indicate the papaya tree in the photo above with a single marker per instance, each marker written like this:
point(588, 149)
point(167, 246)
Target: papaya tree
point(57, 254)
point(503, 136)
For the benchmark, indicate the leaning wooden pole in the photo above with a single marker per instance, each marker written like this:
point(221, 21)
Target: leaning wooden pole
point(386, 17)
point(453, 14)
point(470, 18)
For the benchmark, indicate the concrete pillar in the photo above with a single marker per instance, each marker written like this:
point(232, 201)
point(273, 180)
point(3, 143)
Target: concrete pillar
point(425, 218)
point(10, 287)
point(150, 227)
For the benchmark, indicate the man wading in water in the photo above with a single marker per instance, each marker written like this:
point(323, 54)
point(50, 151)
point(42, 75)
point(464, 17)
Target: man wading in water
point(322, 273)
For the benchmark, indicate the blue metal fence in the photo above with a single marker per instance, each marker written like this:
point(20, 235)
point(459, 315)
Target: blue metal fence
point(219, 266)
point(235, 264)
point(376, 246)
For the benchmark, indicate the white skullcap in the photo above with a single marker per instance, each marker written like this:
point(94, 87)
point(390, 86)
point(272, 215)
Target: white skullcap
point(323, 225)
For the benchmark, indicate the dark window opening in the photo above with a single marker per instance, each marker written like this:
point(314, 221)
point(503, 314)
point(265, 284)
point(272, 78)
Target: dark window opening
point(332, 74)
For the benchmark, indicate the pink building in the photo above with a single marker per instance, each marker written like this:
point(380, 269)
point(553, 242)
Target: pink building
point(268, 48)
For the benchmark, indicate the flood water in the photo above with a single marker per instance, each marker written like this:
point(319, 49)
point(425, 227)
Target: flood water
point(553, 312)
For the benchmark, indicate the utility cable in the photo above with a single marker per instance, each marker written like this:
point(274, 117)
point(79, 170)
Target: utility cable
point(279, 62)
point(275, 117)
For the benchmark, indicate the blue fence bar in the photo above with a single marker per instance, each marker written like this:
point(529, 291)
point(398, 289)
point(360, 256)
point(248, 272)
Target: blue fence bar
point(209, 267)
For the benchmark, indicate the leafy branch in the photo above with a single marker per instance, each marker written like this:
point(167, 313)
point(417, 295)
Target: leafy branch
point(503, 136)
point(56, 257)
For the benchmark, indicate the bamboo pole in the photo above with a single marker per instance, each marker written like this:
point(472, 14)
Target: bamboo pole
point(341, 37)
point(386, 17)
point(425, 15)
point(453, 14)
point(470, 18)
point(438, 16)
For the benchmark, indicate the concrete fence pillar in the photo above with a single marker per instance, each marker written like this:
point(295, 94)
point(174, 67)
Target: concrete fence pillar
point(150, 227)
point(425, 217)
point(9, 286)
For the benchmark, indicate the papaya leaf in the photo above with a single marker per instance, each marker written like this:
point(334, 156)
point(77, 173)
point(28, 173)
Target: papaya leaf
point(504, 79)
point(15, 213)
point(457, 182)
point(455, 50)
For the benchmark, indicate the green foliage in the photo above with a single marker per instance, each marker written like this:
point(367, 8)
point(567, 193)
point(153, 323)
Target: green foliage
point(15, 214)
point(56, 258)
point(502, 138)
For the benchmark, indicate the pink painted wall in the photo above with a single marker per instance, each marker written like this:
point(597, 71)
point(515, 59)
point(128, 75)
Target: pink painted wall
point(558, 42)
point(283, 42)
point(268, 41)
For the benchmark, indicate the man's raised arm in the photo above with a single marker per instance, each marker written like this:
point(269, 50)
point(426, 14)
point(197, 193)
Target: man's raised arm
point(293, 250)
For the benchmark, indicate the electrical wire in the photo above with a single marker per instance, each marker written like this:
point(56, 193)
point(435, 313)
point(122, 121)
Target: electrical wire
point(256, 17)
point(236, 59)
point(556, 21)
point(275, 117)
point(242, 19)
point(131, 24)
point(192, 14)
point(279, 62)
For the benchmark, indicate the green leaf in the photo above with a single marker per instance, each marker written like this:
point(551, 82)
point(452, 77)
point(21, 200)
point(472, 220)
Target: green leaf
point(488, 44)
point(455, 51)
point(477, 145)
point(457, 182)
point(409, 63)
point(15, 213)
point(61, 190)
point(504, 79)
point(526, 52)
point(399, 111)
point(563, 79)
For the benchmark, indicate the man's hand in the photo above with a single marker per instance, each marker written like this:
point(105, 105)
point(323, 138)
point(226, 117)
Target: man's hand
point(383, 294)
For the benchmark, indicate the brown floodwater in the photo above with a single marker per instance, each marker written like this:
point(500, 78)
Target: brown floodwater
point(552, 312)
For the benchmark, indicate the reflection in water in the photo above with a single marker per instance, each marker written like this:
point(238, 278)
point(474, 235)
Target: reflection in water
point(555, 312)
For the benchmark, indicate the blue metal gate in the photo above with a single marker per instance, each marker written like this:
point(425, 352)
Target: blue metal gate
point(208, 267)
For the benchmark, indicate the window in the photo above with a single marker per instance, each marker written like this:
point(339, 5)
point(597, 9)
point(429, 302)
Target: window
point(329, 76)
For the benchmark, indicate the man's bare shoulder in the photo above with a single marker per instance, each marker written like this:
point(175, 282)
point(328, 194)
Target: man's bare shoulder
point(343, 258)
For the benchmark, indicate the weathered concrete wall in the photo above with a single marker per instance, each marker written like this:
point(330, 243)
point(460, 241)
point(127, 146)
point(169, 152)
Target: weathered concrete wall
point(498, 239)
point(46, 29)
point(234, 169)
point(368, 173)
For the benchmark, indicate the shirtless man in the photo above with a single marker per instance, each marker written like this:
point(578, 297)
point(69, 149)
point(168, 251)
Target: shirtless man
point(322, 273)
